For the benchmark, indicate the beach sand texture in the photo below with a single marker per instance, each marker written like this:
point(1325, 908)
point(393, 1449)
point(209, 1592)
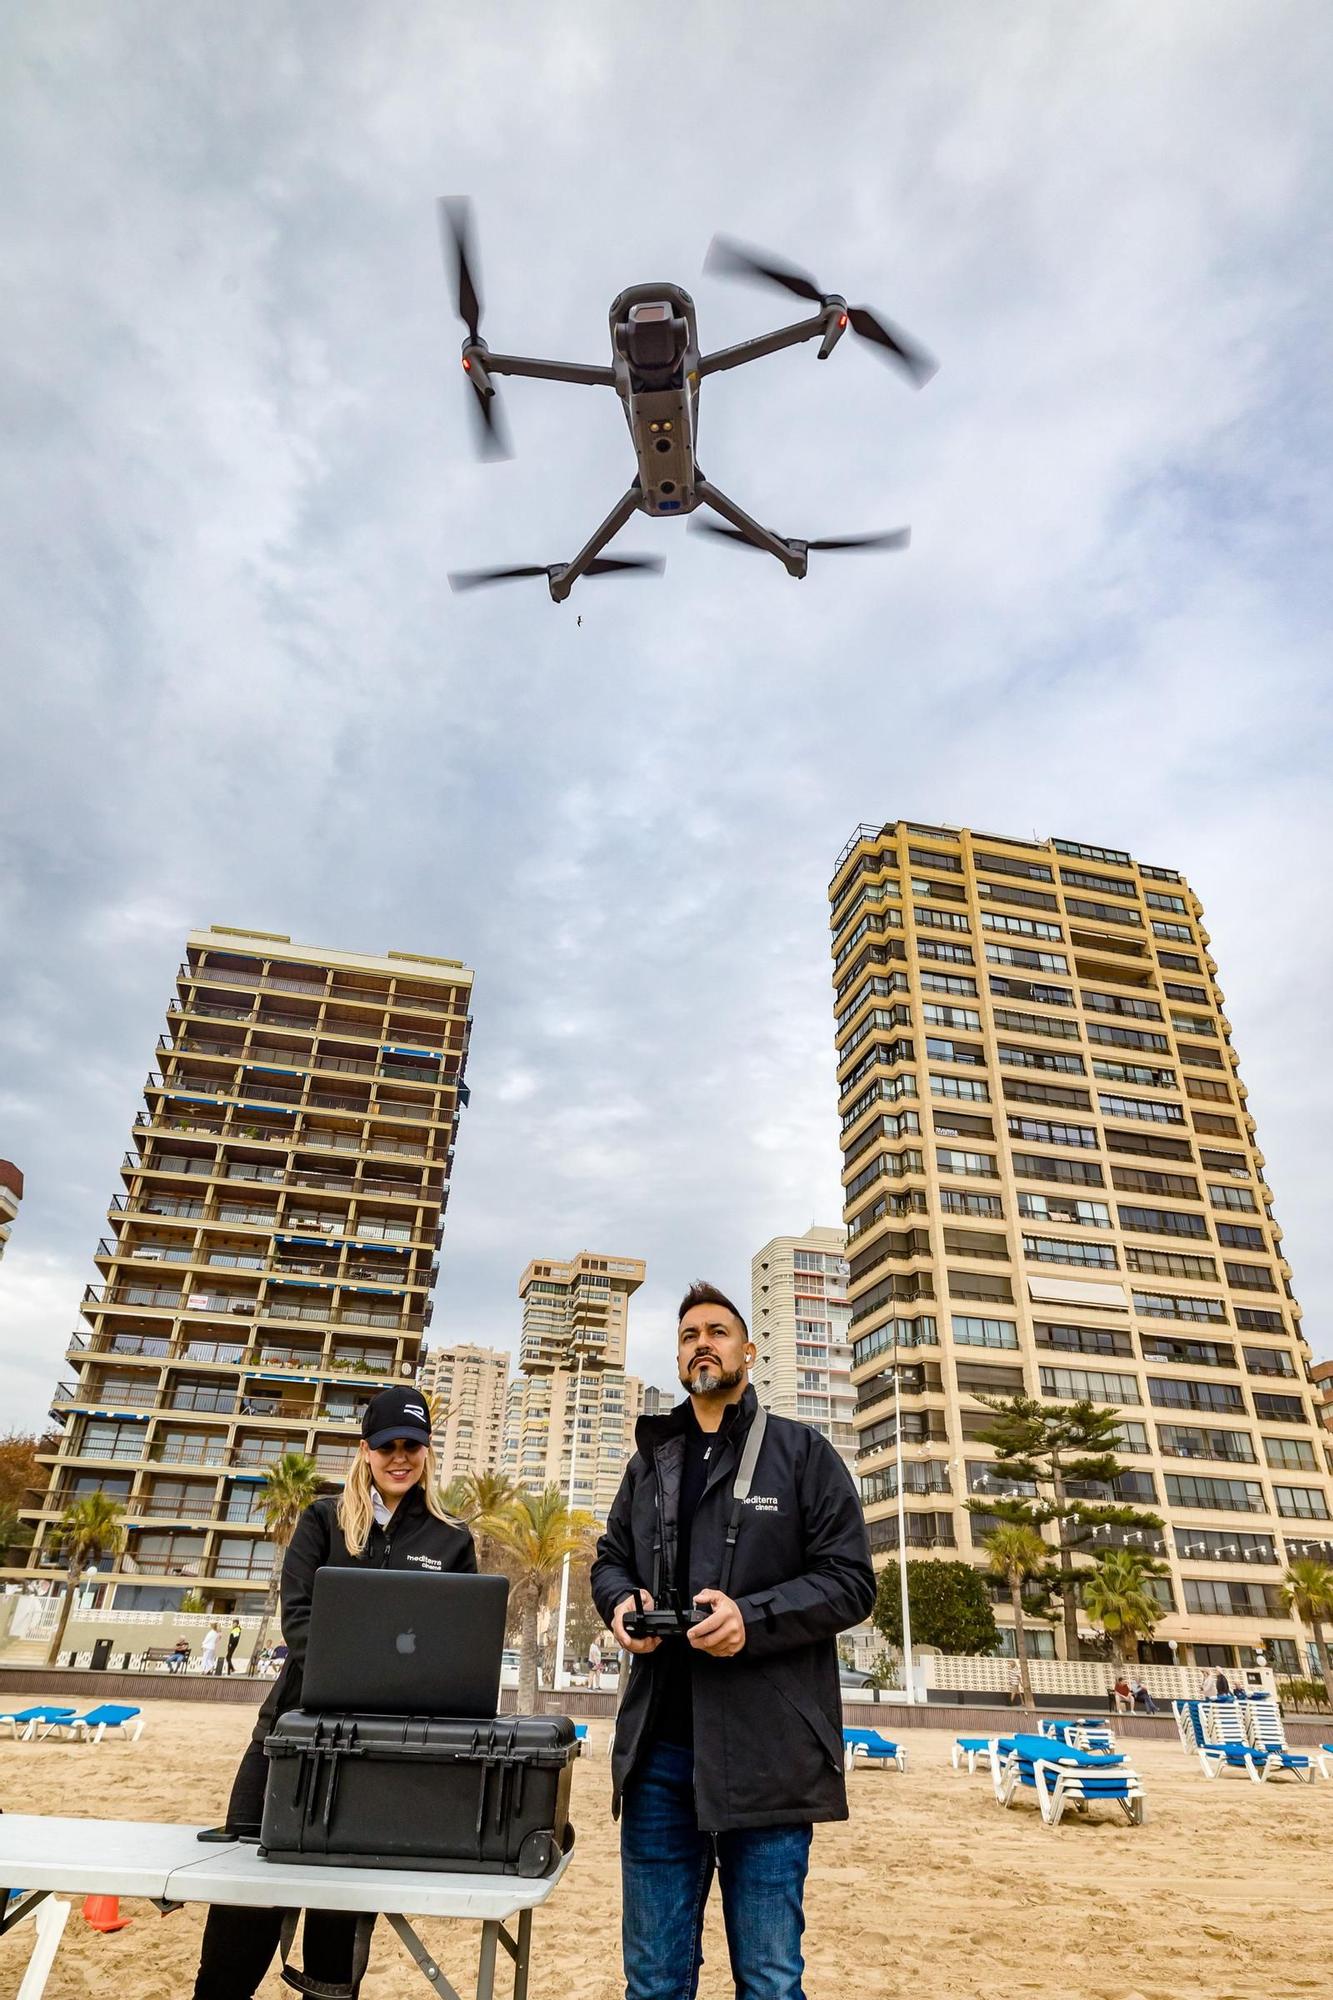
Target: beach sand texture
point(929, 1891)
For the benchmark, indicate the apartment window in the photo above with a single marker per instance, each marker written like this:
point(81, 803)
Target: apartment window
point(940, 1049)
point(1205, 1090)
point(943, 892)
point(1139, 1180)
point(1030, 961)
point(1169, 1264)
point(1157, 901)
point(954, 1202)
point(1103, 913)
point(1221, 1545)
point(1193, 1441)
point(1225, 1496)
point(1031, 927)
point(1253, 1319)
point(1082, 852)
point(981, 1285)
point(960, 1125)
point(1043, 1059)
point(1118, 1003)
point(1174, 1392)
point(1290, 1454)
point(927, 857)
point(1068, 1339)
point(1020, 1090)
point(1007, 892)
point(971, 1332)
point(1072, 1385)
point(1057, 1250)
point(1179, 961)
point(1250, 1277)
point(1008, 864)
point(1224, 1163)
point(948, 954)
point(981, 1165)
point(1301, 1503)
point(1174, 1305)
point(1280, 1409)
point(1233, 1600)
point(1041, 1131)
point(1064, 1208)
point(1152, 1145)
point(1180, 932)
point(1269, 1361)
point(941, 920)
point(1176, 990)
point(1192, 1353)
point(1040, 1167)
point(111, 1440)
point(919, 1332)
point(1035, 1024)
point(1043, 995)
point(1232, 1197)
point(1118, 1072)
point(1162, 1221)
point(1143, 1108)
point(1105, 885)
point(1126, 1038)
point(978, 1378)
point(961, 1087)
point(949, 982)
point(1238, 1236)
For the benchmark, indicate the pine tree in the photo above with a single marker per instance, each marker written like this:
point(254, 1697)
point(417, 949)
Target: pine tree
point(1058, 1451)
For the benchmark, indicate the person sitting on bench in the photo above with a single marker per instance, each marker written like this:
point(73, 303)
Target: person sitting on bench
point(388, 1516)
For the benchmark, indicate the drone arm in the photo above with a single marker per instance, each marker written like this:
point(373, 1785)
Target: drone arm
point(792, 559)
point(547, 371)
point(765, 343)
point(564, 581)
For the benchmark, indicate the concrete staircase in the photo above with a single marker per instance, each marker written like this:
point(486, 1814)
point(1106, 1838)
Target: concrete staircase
point(24, 1652)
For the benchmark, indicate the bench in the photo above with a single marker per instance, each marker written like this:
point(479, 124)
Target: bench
point(164, 1656)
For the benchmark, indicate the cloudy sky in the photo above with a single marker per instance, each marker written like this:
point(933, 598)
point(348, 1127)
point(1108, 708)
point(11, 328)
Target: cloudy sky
point(237, 688)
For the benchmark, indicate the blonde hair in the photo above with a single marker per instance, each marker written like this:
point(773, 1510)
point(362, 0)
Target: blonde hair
point(356, 1510)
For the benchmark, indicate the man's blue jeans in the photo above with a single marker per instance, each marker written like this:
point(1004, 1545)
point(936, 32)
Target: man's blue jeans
point(666, 1868)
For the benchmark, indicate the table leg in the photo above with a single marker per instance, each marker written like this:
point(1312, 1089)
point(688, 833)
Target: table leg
point(49, 1921)
point(486, 1963)
point(522, 1956)
point(427, 1963)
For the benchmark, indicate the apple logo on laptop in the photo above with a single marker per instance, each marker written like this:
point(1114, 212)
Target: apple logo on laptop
point(406, 1642)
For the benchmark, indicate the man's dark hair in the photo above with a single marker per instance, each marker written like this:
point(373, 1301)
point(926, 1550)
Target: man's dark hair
point(701, 1293)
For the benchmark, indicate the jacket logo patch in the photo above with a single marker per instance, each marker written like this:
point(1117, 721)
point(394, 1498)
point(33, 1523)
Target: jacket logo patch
point(424, 1562)
point(767, 1503)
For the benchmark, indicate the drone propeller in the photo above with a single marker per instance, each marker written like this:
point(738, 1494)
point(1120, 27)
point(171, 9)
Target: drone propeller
point(470, 579)
point(896, 538)
point(732, 260)
point(460, 260)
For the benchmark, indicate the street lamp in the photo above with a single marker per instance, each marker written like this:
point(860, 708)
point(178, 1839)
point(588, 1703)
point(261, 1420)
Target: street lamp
point(559, 1678)
point(909, 1676)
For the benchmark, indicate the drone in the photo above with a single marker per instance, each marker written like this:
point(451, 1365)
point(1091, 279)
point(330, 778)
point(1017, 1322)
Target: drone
point(656, 368)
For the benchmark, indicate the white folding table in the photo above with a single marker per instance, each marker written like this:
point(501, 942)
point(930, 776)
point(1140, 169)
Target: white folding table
point(169, 1866)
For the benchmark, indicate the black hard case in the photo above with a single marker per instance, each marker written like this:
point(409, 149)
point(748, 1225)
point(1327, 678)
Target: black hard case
point(394, 1791)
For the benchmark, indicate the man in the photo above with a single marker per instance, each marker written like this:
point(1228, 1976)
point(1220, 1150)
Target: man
point(233, 1641)
point(728, 1744)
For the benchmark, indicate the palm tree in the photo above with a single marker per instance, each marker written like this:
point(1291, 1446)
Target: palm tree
point(1017, 1553)
point(291, 1485)
point(472, 1499)
point(1117, 1596)
point(1307, 1591)
point(90, 1528)
point(532, 1534)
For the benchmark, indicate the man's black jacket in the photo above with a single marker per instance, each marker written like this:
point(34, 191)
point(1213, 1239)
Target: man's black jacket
point(767, 1721)
point(413, 1540)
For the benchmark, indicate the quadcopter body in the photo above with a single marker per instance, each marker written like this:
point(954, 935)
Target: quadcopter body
point(656, 369)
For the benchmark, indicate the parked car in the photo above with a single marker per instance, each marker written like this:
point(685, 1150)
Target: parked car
point(509, 1667)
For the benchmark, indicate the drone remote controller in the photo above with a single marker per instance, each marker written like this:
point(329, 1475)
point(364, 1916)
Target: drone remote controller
point(667, 1623)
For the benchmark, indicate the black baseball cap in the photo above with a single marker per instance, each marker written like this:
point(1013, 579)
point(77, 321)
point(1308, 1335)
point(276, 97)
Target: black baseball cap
point(396, 1413)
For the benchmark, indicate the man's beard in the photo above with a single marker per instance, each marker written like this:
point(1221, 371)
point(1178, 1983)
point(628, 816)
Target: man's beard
point(722, 1379)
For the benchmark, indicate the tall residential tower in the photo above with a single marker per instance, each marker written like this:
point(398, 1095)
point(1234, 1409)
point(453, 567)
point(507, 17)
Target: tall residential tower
point(466, 1386)
point(798, 1320)
point(271, 1256)
point(1052, 1184)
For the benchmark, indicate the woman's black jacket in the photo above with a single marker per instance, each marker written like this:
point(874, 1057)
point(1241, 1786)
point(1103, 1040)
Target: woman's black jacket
point(768, 1721)
point(413, 1540)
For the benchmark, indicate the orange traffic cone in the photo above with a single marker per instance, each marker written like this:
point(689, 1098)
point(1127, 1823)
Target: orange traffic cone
point(103, 1913)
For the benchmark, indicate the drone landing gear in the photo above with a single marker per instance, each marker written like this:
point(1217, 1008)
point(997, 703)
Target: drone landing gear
point(792, 556)
point(564, 576)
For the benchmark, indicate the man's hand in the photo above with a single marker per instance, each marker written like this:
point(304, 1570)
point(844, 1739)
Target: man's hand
point(722, 1633)
point(621, 1636)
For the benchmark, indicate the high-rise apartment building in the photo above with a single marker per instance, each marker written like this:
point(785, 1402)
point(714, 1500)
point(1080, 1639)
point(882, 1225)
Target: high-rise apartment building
point(659, 1402)
point(1052, 1184)
point(11, 1194)
point(573, 1395)
point(466, 1386)
point(799, 1314)
point(270, 1259)
point(1322, 1377)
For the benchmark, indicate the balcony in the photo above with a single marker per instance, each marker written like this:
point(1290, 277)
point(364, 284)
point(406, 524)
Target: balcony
point(141, 1395)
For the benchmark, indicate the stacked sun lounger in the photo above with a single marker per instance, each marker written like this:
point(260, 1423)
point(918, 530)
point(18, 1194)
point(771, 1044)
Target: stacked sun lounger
point(1061, 1776)
point(1230, 1746)
point(876, 1749)
point(1084, 1735)
point(111, 1718)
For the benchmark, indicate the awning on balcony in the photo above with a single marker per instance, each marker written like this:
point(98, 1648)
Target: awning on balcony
point(1105, 1294)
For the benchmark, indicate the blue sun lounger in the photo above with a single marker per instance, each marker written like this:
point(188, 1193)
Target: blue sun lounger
point(976, 1750)
point(1062, 1776)
point(868, 1743)
point(35, 1721)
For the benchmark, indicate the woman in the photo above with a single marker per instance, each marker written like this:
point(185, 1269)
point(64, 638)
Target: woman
point(387, 1517)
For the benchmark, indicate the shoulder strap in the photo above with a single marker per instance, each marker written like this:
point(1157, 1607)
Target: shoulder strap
point(740, 1492)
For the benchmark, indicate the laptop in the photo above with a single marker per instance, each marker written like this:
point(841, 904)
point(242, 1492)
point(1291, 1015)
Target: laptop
point(385, 1642)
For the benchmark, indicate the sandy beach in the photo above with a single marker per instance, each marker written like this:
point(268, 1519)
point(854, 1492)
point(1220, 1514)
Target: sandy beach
point(929, 1891)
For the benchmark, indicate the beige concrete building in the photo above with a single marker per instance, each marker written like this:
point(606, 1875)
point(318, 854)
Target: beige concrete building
point(573, 1395)
point(799, 1315)
point(270, 1258)
point(11, 1194)
point(1052, 1184)
point(466, 1386)
point(1322, 1377)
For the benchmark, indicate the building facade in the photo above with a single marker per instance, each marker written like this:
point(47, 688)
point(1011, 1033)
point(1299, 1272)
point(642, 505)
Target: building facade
point(270, 1258)
point(799, 1315)
point(466, 1387)
point(1052, 1184)
point(11, 1194)
point(573, 1403)
point(1322, 1377)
